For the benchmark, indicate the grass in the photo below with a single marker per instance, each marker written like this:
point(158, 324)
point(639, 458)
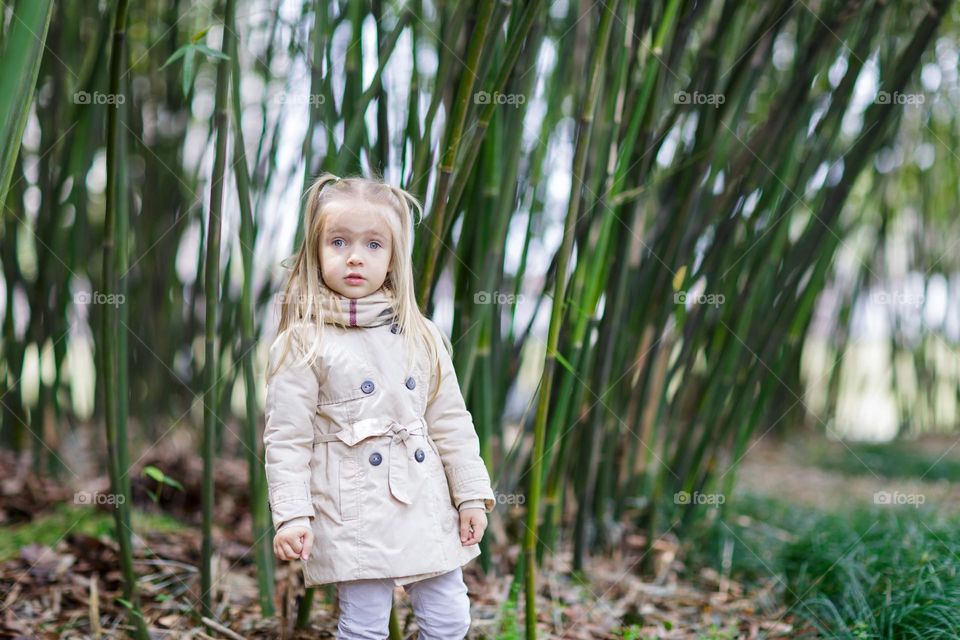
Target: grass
point(866, 573)
point(49, 528)
point(879, 574)
point(633, 632)
point(509, 628)
point(887, 459)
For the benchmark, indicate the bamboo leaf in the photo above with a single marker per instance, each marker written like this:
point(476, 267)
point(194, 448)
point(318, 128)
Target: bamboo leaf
point(678, 278)
point(156, 474)
point(176, 55)
point(213, 53)
point(199, 35)
point(566, 363)
point(22, 51)
point(188, 71)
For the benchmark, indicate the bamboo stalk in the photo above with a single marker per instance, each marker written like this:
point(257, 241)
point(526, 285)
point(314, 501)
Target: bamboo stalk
point(112, 366)
point(211, 295)
point(453, 133)
point(262, 526)
point(317, 85)
point(559, 301)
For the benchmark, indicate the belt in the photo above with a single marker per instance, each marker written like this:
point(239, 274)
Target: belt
point(398, 474)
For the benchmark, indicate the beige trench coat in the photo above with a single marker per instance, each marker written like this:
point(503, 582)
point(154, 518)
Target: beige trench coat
point(354, 450)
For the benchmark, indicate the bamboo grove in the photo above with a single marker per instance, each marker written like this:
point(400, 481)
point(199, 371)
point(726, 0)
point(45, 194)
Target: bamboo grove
point(631, 211)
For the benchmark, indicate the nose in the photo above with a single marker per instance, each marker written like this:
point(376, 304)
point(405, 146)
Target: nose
point(354, 259)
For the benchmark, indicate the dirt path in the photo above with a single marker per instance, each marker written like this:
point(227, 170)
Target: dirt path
point(784, 471)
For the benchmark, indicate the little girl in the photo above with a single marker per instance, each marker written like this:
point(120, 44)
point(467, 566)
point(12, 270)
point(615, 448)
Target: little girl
point(370, 449)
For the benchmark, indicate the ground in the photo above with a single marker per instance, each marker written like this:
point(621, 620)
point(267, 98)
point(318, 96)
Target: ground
point(58, 568)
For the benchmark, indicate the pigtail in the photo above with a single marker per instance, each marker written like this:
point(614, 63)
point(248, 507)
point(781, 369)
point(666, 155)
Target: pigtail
point(297, 300)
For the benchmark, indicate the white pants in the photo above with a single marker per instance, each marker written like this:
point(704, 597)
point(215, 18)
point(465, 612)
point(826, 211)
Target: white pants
point(440, 604)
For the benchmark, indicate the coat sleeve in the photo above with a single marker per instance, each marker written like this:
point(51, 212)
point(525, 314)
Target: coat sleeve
point(288, 435)
point(451, 428)
point(475, 503)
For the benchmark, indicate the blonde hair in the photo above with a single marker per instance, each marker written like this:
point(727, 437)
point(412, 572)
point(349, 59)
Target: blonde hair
point(300, 298)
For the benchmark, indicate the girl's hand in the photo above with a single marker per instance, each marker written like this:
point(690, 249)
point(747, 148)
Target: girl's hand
point(473, 522)
point(293, 543)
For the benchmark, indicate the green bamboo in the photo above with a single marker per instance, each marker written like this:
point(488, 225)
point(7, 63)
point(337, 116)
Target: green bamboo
point(559, 302)
point(22, 50)
point(356, 124)
point(453, 134)
point(317, 85)
point(211, 291)
point(112, 367)
point(519, 38)
point(262, 526)
point(448, 65)
point(647, 396)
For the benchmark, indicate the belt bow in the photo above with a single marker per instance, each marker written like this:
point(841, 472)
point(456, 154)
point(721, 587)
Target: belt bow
point(399, 454)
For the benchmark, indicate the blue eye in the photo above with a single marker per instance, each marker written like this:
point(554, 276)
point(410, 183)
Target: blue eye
point(336, 240)
point(374, 242)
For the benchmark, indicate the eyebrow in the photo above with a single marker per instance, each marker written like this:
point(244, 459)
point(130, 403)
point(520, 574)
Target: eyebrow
point(344, 230)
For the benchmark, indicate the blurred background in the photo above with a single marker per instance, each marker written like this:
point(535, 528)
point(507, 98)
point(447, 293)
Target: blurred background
point(698, 261)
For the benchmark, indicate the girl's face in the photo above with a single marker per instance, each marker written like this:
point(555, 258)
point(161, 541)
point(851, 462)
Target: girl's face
point(355, 250)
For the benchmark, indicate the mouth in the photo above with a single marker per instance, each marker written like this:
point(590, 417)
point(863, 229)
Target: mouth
point(354, 278)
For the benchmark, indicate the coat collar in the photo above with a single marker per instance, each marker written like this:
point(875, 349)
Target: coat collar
point(373, 310)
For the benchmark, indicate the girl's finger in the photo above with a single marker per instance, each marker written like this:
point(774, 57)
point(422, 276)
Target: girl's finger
point(307, 545)
point(466, 524)
point(469, 536)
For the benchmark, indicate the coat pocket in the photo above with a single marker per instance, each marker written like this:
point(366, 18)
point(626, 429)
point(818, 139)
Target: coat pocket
point(342, 412)
point(349, 490)
point(346, 396)
point(444, 507)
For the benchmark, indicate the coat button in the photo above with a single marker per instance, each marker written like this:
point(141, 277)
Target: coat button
point(394, 328)
point(419, 455)
point(367, 386)
point(411, 383)
point(375, 458)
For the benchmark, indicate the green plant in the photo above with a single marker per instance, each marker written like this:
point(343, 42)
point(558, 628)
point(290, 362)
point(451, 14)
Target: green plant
point(509, 628)
point(716, 633)
point(161, 479)
point(896, 459)
point(877, 573)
